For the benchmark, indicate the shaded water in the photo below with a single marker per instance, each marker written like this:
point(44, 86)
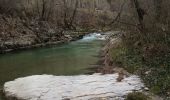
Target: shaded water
point(67, 59)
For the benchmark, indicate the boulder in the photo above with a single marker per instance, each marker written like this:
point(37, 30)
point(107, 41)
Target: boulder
point(82, 87)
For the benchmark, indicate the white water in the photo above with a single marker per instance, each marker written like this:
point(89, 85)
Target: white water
point(93, 36)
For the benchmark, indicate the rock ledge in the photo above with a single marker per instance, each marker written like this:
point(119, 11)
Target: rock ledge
point(83, 87)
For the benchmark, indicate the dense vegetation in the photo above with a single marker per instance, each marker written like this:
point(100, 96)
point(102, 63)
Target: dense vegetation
point(145, 48)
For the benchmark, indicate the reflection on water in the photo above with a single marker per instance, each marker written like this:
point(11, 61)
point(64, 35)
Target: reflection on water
point(67, 59)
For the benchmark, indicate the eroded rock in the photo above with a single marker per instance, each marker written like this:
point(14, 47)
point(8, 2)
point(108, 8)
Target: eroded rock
point(83, 87)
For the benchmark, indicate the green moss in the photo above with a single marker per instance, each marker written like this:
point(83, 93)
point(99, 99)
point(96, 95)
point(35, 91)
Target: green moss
point(155, 89)
point(137, 96)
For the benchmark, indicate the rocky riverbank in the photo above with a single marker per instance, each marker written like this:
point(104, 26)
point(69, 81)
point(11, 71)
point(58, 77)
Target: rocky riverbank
point(19, 34)
point(106, 63)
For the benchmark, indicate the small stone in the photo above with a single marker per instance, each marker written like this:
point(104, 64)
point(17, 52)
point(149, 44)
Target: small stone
point(146, 89)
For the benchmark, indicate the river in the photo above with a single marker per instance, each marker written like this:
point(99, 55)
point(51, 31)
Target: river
point(67, 59)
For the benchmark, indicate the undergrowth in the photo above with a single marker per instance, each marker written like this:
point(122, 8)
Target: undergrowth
point(148, 57)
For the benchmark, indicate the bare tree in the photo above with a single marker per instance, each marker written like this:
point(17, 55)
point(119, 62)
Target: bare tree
point(73, 15)
point(68, 21)
point(140, 14)
point(44, 8)
point(158, 7)
point(118, 13)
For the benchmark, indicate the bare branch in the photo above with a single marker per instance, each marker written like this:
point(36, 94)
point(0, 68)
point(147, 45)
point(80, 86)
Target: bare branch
point(119, 13)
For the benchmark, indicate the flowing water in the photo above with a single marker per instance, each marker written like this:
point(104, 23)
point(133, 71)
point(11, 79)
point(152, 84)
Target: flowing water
point(68, 59)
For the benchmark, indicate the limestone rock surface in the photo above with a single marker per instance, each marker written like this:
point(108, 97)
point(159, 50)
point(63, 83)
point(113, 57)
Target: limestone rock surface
point(82, 87)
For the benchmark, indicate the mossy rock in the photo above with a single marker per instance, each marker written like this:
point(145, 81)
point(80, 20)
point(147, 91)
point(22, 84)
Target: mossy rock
point(137, 96)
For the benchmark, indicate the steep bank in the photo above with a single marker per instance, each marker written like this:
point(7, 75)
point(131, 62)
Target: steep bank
point(108, 66)
point(19, 34)
point(112, 61)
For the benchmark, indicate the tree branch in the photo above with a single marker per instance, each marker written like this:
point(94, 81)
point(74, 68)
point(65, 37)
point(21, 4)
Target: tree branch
point(119, 14)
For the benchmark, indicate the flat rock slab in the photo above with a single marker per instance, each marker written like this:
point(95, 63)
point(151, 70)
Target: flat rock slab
point(83, 87)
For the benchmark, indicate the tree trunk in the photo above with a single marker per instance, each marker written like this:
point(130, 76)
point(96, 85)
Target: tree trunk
point(140, 14)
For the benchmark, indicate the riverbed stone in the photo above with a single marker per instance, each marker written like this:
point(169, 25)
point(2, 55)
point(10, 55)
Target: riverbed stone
point(82, 87)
